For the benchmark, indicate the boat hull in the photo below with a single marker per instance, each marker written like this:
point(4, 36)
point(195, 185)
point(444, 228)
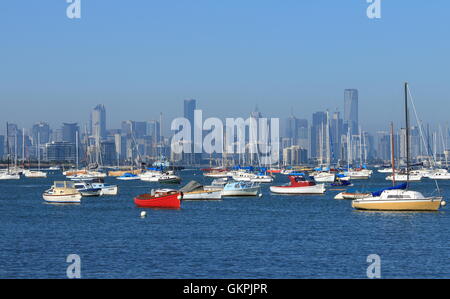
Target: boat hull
point(245, 192)
point(67, 198)
point(316, 189)
point(325, 178)
point(172, 201)
point(9, 177)
point(203, 195)
point(91, 192)
point(428, 204)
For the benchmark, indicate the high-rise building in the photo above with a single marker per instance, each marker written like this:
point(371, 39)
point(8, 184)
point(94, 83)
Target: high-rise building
point(154, 130)
point(294, 155)
point(60, 152)
point(351, 116)
point(318, 129)
point(69, 132)
point(189, 109)
point(98, 122)
point(296, 131)
point(336, 131)
point(134, 129)
point(384, 146)
point(43, 130)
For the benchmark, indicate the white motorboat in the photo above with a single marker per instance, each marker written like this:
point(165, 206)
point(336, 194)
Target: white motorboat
point(241, 189)
point(439, 176)
point(405, 178)
point(195, 191)
point(86, 189)
point(34, 174)
point(217, 184)
point(262, 178)
point(324, 177)
point(107, 189)
point(9, 176)
point(299, 185)
point(243, 176)
point(360, 174)
point(62, 192)
point(203, 195)
point(150, 176)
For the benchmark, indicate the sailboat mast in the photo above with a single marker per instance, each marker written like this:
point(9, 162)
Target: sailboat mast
point(393, 153)
point(407, 132)
point(7, 143)
point(39, 150)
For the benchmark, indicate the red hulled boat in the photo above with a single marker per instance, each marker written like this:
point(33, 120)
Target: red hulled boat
point(161, 199)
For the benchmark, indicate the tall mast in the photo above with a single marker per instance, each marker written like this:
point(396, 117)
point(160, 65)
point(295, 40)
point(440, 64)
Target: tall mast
point(23, 148)
point(392, 153)
point(39, 150)
point(407, 132)
point(76, 149)
point(7, 143)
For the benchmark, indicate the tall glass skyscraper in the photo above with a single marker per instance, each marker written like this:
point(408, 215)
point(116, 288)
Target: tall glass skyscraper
point(69, 132)
point(98, 122)
point(351, 118)
point(189, 108)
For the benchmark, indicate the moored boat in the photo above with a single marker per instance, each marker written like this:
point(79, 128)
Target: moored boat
point(161, 199)
point(195, 191)
point(399, 200)
point(299, 185)
point(128, 177)
point(87, 190)
point(62, 192)
point(241, 189)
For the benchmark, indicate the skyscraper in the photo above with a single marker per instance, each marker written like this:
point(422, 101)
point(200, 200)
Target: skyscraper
point(318, 128)
point(69, 132)
point(351, 117)
point(43, 130)
point(296, 130)
point(189, 108)
point(98, 122)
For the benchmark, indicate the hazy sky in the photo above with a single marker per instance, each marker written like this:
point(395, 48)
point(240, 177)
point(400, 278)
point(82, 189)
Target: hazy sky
point(142, 57)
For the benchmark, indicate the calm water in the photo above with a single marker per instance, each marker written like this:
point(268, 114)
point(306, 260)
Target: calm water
point(269, 237)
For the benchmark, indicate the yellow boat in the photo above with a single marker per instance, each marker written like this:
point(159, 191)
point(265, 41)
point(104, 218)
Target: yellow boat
point(399, 200)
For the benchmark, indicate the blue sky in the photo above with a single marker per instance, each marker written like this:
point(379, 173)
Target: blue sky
point(143, 57)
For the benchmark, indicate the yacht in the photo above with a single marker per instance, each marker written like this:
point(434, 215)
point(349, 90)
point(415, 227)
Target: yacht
point(299, 185)
point(86, 189)
point(400, 200)
point(324, 177)
point(241, 189)
point(34, 174)
point(62, 192)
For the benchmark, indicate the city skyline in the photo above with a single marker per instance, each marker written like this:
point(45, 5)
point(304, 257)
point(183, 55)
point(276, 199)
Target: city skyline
point(167, 53)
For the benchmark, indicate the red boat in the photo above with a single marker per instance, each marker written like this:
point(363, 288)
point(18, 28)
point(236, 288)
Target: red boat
point(274, 171)
point(162, 199)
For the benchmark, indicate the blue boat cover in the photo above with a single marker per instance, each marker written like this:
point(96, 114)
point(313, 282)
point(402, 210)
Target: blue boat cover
point(398, 187)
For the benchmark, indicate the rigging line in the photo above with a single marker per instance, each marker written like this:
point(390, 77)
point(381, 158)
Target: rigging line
point(419, 122)
point(421, 133)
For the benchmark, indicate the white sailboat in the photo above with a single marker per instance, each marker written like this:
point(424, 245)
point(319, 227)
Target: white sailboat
point(401, 200)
